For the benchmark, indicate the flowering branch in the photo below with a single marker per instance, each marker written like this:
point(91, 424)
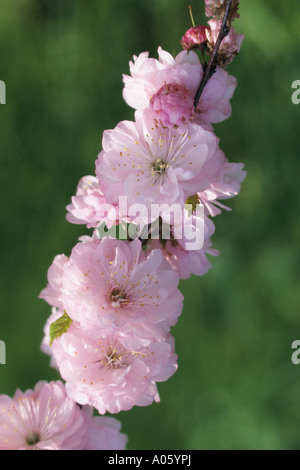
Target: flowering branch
point(210, 68)
point(159, 178)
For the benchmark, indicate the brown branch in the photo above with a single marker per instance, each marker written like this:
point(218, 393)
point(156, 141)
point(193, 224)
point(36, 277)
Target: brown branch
point(210, 68)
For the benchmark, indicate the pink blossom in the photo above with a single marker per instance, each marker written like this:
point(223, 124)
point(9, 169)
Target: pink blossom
point(89, 206)
point(103, 432)
point(149, 75)
point(194, 37)
point(231, 44)
point(110, 282)
point(51, 293)
point(182, 253)
point(214, 104)
point(172, 105)
point(41, 419)
point(116, 370)
point(226, 186)
point(47, 419)
point(153, 165)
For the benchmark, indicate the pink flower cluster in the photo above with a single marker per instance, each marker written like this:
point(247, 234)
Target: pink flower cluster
point(205, 37)
point(122, 304)
point(120, 297)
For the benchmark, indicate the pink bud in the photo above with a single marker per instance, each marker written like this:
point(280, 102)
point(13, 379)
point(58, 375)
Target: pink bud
point(172, 105)
point(230, 46)
point(216, 9)
point(194, 37)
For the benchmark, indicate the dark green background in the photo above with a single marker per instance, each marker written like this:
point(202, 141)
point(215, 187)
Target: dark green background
point(62, 62)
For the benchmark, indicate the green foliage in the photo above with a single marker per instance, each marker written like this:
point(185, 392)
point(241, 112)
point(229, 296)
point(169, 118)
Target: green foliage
point(59, 327)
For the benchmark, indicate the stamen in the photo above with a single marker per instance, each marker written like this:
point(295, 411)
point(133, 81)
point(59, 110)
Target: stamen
point(159, 167)
point(32, 438)
point(118, 298)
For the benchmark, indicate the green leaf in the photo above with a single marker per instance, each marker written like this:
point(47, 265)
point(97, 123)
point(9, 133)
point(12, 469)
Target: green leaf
point(59, 327)
point(191, 204)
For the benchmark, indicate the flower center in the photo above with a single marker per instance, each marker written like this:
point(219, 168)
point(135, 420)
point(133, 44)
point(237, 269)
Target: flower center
point(159, 167)
point(118, 298)
point(32, 438)
point(114, 359)
point(116, 356)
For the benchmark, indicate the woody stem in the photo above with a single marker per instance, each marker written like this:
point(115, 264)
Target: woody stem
point(210, 68)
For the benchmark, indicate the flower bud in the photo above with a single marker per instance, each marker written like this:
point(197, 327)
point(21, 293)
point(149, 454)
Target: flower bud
point(230, 46)
point(194, 37)
point(216, 8)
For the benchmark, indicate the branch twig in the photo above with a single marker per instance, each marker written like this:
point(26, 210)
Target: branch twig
point(210, 68)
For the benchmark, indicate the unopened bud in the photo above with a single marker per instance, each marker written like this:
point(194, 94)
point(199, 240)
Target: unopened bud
point(216, 8)
point(194, 37)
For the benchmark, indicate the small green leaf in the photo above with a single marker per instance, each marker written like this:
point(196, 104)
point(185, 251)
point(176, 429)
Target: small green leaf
point(191, 204)
point(59, 327)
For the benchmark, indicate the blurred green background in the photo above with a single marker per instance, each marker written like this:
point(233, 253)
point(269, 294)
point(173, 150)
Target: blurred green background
point(62, 62)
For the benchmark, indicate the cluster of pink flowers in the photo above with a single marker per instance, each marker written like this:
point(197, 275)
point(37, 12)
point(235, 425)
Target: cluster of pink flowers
point(120, 297)
point(205, 37)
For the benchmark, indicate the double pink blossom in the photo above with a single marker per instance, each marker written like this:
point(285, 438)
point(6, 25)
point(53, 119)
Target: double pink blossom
point(150, 164)
point(150, 76)
point(111, 282)
point(114, 369)
point(46, 418)
point(89, 205)
point(183, 257)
